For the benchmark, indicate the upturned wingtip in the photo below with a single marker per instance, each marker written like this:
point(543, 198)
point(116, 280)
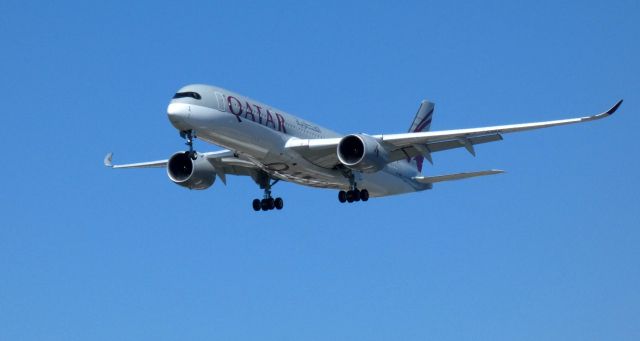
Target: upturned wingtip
point(614, 108)
point(107, 160)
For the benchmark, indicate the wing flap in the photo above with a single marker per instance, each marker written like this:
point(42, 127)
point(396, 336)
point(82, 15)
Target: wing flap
point(432, 147)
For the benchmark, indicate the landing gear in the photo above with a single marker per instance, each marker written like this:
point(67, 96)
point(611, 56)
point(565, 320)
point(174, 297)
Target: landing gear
point(268, 202)
point(354, 194)
point(189, 135)
point(279, 203)
point(364, 195)
point(342, 196)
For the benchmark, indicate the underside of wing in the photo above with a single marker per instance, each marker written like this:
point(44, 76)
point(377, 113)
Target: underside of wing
point(466, 136)
point(224, 162)
point(108, 162)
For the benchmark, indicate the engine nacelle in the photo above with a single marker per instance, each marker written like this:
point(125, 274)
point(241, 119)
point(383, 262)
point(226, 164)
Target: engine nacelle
point(193, 174)
point(362, 152)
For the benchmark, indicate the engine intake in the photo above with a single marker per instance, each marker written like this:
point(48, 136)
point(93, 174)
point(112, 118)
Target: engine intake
point(362, 152)
point(193, 174)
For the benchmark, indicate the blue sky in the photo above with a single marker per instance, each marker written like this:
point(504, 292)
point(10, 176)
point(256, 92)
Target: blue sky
point(548, 250)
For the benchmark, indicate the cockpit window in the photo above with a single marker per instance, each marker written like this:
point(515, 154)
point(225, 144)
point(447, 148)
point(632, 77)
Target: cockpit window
point(187, 94)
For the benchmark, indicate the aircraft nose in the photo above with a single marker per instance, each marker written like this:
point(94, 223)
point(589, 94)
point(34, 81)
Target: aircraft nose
point(178, 113)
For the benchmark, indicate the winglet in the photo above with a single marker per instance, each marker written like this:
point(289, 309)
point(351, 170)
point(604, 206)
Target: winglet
point(107, 160)
point(613, 108)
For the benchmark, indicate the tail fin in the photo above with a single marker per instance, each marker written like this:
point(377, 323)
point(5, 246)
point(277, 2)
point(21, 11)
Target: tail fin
point(421, 122)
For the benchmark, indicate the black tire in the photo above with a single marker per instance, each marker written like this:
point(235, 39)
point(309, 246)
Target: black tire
point(279, 203)
point(342, 196)
point(264, 204)
point(356, 195)
point(256, 205)
point(364, 195)
point(272, 203)
point(350, 196)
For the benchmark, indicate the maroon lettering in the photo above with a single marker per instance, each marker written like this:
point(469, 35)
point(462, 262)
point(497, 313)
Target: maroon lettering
point(248, 111)
point(235, 109)
point(259, 113)
point(281, 126)
point(270, 120)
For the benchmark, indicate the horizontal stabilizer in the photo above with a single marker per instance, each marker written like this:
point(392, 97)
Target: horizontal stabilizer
point(457, 176)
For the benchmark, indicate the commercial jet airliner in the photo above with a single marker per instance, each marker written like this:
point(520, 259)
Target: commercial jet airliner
point(270, 145)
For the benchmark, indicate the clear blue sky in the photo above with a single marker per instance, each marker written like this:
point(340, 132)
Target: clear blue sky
point(548, 251)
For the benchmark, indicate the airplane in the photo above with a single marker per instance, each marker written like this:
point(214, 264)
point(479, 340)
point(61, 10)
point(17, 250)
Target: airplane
point(270, 145)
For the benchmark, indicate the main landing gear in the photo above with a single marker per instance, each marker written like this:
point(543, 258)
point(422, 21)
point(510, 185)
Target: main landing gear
point(354, 194)
point(189, 135)
point(268, 202)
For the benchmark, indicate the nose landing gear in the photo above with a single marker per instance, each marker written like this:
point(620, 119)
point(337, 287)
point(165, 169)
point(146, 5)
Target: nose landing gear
point(189, 135)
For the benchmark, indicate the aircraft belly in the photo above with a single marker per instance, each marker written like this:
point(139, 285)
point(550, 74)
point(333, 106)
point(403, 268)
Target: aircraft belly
point(382, 184)
point(298, 170)
point(244, 137)
point(265, 148)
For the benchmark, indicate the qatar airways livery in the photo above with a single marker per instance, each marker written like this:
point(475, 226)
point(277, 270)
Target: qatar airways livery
point(270, 145)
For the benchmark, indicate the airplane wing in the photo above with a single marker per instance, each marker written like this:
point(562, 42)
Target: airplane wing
point(322, 152)
point(224, 161)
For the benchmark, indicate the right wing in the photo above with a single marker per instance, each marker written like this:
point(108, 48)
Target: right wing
point(224, 161)
point(151, 164)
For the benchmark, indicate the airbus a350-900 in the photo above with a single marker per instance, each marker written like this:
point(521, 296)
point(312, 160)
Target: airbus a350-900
point(270, 145)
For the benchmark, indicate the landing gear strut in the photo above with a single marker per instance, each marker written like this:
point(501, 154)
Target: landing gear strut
point(268, 202)
point(189, 135)
point(353, 194)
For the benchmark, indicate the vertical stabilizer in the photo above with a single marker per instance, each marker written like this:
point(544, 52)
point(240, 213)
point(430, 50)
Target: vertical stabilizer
point(421, 122)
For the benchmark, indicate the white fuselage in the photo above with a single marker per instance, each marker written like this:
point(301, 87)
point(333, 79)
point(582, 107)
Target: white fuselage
point(259, 132)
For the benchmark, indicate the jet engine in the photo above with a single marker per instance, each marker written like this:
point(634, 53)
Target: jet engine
point(362, 153)
point(190, 173)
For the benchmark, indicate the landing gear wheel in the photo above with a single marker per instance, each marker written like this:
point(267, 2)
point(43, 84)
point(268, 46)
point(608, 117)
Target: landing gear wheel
point(271, 203)
point(279, 203)
point(364, 195)
point(350, 196)
point(342, 196)
point(264, 204)
point(356, 195)
point(256, 204)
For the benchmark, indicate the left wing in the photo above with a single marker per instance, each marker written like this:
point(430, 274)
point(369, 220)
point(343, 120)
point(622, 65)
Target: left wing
point(322, 152)
point(224, 161)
